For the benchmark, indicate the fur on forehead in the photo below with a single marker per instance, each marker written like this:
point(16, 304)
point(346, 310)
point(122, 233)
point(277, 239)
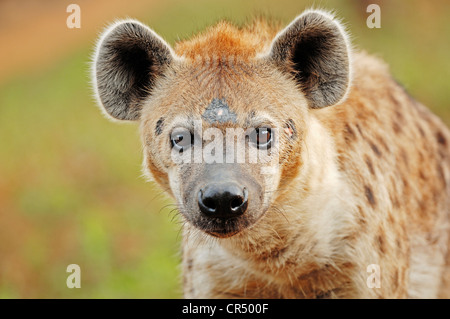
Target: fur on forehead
point(225, 39)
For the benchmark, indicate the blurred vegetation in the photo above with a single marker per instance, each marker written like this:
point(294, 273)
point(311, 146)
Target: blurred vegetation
point(71, 189)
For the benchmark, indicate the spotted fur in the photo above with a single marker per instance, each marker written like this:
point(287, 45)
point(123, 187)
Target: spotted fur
point(364, 169)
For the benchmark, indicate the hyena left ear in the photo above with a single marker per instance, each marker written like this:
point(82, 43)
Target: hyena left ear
point(129, 59)
point(315, 50)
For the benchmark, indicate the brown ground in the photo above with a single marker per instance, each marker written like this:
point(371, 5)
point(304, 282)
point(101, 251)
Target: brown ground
point(33, 33)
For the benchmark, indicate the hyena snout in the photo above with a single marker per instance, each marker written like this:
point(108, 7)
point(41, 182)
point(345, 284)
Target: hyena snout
point(223, 200)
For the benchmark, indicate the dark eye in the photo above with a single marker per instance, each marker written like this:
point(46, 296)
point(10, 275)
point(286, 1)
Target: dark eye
point(182, 140)
point(262, 138)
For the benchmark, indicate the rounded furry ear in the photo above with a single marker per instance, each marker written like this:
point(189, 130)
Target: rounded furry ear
point(315, 50)
point(128, 60)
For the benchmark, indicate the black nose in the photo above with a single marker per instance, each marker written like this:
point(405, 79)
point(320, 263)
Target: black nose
point(223, 200)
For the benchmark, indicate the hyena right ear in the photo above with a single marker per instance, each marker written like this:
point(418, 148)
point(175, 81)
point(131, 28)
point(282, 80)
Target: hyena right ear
point(128, 60)
point(314, 49)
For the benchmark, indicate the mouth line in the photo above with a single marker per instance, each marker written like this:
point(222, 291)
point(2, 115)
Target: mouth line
point(222, 233)
point(220, 228)
point(223, 228)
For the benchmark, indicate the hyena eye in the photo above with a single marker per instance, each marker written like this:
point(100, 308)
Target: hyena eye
point(181, 141)
point(262, 138)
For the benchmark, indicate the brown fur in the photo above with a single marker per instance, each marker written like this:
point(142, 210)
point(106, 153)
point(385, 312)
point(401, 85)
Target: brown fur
point(365, 181)
point(225, 40)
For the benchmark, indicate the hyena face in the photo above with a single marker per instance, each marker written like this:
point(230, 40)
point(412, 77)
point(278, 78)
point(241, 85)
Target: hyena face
point(223, 123)
point(217, 138)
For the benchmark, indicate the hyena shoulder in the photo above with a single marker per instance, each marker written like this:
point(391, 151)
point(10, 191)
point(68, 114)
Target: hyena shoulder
point(394, 154)
point(385, 138)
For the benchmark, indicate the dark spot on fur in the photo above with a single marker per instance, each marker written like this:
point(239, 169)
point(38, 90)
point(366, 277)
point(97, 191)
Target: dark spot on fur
point(375, 149)
point(381, 243)
point(397, 110)
point(349, 134)
point(324, 294)
point(189, 263)
point(382, 142)
point(422, 175)
point(359, 130)
point(393, 194)
point(276, 253)
point(422, 208)
point(396, 127)
point(369, 165)
point(159, 126)
point(441, 139)
point(369, 194)
point(361, 218)
point(352, 236)
point(362, 222)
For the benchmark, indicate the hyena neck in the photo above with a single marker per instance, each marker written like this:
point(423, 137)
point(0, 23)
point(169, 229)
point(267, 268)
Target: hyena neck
point(305, 227)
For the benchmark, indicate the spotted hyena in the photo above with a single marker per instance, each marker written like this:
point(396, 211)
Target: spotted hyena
point(356, 171)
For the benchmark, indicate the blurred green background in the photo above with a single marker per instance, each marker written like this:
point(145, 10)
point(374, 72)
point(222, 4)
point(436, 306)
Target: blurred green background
point(71, 189)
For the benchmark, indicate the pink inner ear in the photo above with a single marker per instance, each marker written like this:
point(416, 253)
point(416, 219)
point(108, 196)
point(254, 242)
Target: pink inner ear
point(289, 131)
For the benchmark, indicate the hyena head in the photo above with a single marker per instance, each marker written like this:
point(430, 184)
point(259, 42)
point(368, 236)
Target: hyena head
point(224, 116)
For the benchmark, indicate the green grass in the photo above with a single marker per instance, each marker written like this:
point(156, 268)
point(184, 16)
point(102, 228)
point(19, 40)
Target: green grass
point(73, 182)
point(70, 185)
